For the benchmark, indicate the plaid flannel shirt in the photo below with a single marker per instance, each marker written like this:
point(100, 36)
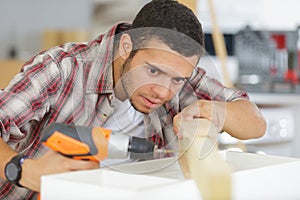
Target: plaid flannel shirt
point(73, 84)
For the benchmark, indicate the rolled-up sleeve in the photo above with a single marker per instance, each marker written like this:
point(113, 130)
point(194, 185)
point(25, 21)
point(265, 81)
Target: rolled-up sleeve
point(27, 98)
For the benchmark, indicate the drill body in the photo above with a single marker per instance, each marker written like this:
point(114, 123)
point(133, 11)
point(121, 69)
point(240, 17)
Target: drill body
point(95, 143)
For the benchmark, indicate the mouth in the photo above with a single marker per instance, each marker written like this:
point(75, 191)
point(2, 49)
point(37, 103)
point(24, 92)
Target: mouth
point(151, 103)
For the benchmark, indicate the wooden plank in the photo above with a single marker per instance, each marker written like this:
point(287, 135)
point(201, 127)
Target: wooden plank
point(200, 159)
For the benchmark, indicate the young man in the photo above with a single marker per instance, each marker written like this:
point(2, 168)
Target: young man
point(139, 79)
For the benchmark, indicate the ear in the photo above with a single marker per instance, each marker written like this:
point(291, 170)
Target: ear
point(125, 46)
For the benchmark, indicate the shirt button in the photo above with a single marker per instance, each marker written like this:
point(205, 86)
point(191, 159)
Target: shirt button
point(110, 97)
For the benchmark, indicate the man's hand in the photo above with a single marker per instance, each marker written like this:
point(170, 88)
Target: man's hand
point(240, 118)
point(50, 163)
point(214, 111)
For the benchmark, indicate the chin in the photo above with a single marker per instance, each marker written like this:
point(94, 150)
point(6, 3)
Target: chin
point(143, 110)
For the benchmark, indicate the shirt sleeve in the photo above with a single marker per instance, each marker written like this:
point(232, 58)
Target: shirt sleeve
point(201, 86)
point(28, 97)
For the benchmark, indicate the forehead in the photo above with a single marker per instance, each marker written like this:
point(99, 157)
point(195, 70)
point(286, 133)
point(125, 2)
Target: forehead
point(160, 55)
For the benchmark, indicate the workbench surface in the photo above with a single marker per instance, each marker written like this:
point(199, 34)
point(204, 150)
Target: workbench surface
point(254, 177)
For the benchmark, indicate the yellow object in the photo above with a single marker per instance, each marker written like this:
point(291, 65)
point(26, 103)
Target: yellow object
point(8, 69)
point(192, 4)
point(219, 44)
point(201, 160)
point(53, 38)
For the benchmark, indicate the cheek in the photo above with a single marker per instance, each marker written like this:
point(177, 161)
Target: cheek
point(136, 82)
point(142, 90)
point(156, 91)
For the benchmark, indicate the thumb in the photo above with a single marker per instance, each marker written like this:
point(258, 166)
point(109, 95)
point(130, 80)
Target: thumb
point(177, 121)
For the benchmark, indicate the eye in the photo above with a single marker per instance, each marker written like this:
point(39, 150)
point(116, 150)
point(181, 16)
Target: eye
point(179, 80)
point(153, 70)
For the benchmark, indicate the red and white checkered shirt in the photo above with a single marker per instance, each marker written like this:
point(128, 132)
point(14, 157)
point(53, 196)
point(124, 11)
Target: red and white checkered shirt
point(73, 84)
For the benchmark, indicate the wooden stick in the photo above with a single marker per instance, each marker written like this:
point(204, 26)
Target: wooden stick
point(184, 167)
point(201, 160)
point(219, 44)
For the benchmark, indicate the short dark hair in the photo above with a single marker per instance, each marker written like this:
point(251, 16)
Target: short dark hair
point(170, 22)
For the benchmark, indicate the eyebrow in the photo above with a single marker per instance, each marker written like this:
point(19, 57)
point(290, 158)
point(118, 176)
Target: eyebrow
point(164, 72)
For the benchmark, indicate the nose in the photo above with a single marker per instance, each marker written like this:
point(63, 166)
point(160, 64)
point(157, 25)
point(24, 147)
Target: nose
point(163, 92)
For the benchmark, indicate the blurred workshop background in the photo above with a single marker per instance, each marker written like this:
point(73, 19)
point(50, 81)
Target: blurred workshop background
point(262, 39)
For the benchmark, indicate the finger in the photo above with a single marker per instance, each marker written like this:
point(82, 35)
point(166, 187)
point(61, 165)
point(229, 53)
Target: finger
point(74, 164)
point(70, 164)
point(176, 126)
point(192, 111)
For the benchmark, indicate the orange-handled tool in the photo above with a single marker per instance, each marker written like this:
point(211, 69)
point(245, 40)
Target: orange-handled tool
point(96, 144)
point(78, 142)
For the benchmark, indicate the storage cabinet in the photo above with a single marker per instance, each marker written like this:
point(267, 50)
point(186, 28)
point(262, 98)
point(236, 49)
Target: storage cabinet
point(8, 68)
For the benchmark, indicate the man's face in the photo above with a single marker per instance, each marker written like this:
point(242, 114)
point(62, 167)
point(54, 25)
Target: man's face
point(154, 75)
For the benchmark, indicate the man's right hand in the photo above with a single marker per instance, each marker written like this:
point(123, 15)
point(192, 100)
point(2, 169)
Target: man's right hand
point(50, 163)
